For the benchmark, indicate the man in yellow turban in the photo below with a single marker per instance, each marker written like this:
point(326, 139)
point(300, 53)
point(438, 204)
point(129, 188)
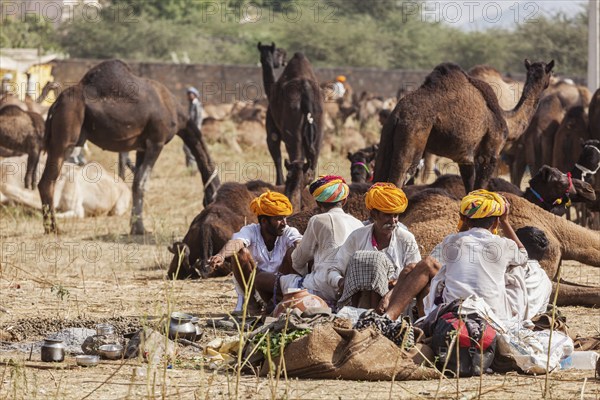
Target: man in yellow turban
point(377, 256)
point(324, 233)
point(265, 245)
point(476, 259)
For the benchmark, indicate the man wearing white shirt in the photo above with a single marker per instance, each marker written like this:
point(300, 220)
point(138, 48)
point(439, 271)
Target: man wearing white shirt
point(264, 246)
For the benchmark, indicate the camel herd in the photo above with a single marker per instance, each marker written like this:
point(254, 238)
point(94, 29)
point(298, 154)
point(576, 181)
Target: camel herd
point(476, 118)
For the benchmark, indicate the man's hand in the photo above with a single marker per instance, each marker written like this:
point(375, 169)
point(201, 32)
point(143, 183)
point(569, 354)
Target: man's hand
point(216, 261)
point(341, 283)
point(384, 303)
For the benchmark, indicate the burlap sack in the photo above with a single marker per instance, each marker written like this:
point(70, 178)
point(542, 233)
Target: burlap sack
point(335, 353)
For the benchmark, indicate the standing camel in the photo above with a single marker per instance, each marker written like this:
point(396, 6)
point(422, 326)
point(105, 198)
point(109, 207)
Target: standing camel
point(295, 115)
point(456, 116)
point(119, 111)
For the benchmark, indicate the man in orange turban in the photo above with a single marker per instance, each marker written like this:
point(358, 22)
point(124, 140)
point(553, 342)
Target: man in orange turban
point(380, 256)
point(264, 246)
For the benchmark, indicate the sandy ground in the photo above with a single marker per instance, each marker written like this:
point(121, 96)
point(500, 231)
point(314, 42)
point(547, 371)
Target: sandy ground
point(96, 271)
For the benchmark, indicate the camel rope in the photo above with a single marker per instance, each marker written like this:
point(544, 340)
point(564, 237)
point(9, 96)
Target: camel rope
point(211, 178)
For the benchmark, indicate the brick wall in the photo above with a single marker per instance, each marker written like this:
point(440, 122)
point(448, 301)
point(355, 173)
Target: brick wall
point(226, 83)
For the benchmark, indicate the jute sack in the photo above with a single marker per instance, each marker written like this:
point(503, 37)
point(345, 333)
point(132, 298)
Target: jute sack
point(330, 352)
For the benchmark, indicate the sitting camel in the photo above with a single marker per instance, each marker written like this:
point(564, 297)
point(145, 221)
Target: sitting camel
point(80, 191)
point(294, 116)
point(119, 111)
point(456, 116)
point(23, 132)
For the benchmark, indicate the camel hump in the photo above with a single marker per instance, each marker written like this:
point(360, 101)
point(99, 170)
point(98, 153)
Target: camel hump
point(113, 79)
point(483, 69)
point(11, 110)
point(442, 72)
point(299, 55)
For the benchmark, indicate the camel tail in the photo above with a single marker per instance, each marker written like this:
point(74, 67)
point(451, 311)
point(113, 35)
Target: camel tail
point(48, 125)
point(310, 108)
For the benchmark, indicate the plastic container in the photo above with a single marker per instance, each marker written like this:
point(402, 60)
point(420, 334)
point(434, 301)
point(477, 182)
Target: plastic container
point(584, 359)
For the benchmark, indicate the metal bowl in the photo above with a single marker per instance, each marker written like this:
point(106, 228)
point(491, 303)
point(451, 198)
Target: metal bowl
point(87, 361)
point(105, 329)
point(111, 351)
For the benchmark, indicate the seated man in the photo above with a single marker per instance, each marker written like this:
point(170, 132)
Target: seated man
point(475, 260)
point(265, 246)
point(324, 233)
point(380, 255)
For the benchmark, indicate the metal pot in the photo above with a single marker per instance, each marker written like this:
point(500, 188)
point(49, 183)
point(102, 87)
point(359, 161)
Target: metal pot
point(181, 326)
point(53, 350)
point(105, 329)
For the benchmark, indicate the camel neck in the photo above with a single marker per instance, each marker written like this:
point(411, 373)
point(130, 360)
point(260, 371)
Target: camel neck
point(518, 119)
point(268, 77)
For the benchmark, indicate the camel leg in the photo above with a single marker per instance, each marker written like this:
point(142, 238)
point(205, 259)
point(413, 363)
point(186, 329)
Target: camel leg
point(62, 132)
point(32, 163)
point(144, 162)
point(124, 162)
point(274, 145)
point(570, 294)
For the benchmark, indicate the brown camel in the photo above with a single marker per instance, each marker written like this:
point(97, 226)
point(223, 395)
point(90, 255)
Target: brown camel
point(294, 116)
point(594, 116)
point(571, 133)
point(119, 111)
point(216, 224)
point(456, 116)
point(362, 164)
point(23, 132)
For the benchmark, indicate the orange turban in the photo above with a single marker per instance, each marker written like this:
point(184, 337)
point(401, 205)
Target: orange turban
point(481, 204)
point(271, 204)
point(341, 78)
point(387, 198)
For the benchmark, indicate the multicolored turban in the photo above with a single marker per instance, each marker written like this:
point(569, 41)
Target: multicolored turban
point(271, 204)
point(387, 198)
point(329, 189)
point(482, 204)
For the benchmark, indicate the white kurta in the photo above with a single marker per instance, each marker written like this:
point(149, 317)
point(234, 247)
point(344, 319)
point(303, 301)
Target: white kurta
point(474, 263)
point(402, 250)
point(266, 260)
point(324, 234)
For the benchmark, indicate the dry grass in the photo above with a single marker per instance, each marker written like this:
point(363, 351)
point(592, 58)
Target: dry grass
point(104, 272)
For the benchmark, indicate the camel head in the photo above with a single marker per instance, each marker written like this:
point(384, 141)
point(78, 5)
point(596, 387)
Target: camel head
point(272, 55)
point(589, 160)
point(539, 72)
point(363, 163)
point(553, 188)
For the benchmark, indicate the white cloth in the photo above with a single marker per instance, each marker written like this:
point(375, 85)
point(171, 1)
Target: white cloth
point(266, 260)
point(324, 234)
point(539, 288)
point(339, 90)
point(474, 263)
point(402, 250)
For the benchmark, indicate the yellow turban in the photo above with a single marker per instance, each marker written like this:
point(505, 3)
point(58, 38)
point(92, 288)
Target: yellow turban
point(271, 204)
point(482, 203)
point(387, 198)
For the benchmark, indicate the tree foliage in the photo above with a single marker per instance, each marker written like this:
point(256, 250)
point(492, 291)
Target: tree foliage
point(358, 33)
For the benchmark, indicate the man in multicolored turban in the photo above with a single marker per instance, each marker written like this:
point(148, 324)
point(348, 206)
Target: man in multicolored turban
point(380, 256)
point(324, 233)
point(265, 245)
point(475, 260)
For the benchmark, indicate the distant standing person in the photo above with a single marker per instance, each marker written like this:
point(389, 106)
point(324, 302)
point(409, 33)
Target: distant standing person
point(195, 114)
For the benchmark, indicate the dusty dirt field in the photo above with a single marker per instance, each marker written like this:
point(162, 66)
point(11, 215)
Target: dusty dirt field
point(103, 273)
